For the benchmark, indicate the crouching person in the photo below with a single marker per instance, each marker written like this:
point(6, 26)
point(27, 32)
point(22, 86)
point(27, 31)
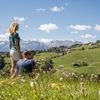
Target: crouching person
point(26, 64)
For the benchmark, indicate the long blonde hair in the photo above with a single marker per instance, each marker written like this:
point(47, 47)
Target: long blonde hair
point(14, 26)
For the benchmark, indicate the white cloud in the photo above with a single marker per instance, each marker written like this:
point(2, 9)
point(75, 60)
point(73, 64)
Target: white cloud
point(41, 9)
point(80, 27)
point(4, 37)
point(57, 9)
point(97, 27)
point(45, 40)
point(48, 27)
point(87, 36)
point(74, 32)
point(20, 19)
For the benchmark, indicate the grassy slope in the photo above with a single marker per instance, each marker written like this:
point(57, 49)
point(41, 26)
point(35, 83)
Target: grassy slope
point(91, 56)
point(45, 55)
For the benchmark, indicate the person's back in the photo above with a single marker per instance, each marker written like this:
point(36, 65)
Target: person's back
point(26, 65)
point(12, 38)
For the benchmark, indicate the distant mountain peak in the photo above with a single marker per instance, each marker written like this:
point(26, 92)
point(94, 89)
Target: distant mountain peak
point(38, 45)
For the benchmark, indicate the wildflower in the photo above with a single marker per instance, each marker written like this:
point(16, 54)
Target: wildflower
point(61, 79)
point(99, 92)
point(67, 75)
point(22, 80)
point(81, 84)
point(3, 73)
point(54, 85)
point(82, 76)
point(37, 76)
point(92, 77)
point(13, 83)
point(44, 72)
point(63, 86)
point(73, 74)
point(31, 84)
point(50, 68)
point(95, 76)
point(19, 75)
point(82, 88)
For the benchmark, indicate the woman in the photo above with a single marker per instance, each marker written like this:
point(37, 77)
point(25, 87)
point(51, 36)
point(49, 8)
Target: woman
point(14, 44)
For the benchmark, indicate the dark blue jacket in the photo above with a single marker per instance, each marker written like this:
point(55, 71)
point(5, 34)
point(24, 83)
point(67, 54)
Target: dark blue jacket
point(26, 65)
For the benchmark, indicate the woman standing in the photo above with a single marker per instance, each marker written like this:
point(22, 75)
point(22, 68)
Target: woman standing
point(14, 44)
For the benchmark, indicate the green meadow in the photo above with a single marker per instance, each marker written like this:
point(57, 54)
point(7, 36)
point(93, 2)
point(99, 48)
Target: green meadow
point(91, 56)
point(67, 82)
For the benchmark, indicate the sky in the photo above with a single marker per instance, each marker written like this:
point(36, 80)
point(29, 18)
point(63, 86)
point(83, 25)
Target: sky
point(46, 20)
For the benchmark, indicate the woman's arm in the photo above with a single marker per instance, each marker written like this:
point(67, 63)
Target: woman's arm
point(17, 44)
point(10, 45)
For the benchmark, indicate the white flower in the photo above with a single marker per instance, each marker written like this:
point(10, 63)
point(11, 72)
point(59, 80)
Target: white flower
point(61, 79)
point(22, 80)
point(37, 76)
point(73, 74)
point(31, 84)
point(99, 92)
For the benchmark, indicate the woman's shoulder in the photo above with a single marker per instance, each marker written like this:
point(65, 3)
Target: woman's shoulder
point(16, 35)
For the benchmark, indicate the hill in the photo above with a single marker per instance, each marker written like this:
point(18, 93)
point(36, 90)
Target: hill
point(90, 56)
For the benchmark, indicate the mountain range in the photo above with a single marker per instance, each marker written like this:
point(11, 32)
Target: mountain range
point(37, 45)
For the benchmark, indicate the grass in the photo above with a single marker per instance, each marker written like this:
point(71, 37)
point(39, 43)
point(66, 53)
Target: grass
point(47, 87)
point(91, 56)
point(43, 56)
point(61, 85)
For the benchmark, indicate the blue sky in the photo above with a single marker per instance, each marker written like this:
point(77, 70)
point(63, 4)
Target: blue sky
point(47, 20)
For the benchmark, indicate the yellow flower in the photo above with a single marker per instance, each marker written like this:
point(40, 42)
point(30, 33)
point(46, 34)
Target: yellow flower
point(13, 83)
point(54, 85)
point(63, 86)
point(57, 86)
